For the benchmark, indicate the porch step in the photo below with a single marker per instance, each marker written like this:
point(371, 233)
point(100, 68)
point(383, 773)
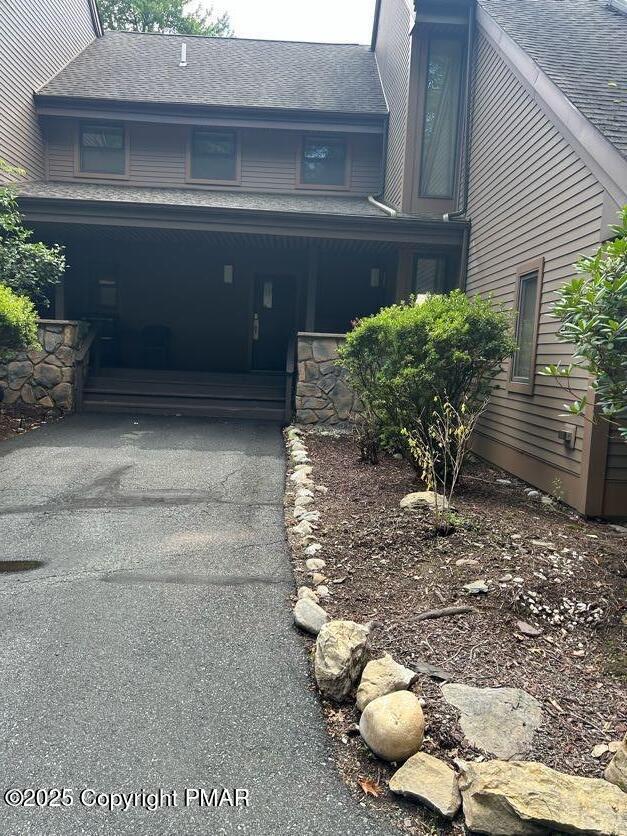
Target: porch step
point(144, 391)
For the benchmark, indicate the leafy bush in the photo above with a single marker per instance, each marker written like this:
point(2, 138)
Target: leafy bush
point(407, 360)
point(18, 322)
point(593, 311)
point(27, 267)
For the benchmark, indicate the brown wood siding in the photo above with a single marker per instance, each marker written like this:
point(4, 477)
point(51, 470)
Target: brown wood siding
point(36, 41)
point(530, 196)
point(269, 157)
point(393, 48)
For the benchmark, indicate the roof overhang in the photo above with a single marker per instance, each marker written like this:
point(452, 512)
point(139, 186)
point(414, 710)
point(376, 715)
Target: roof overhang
point(602, 158)
point(298, 120)
point(403, 231)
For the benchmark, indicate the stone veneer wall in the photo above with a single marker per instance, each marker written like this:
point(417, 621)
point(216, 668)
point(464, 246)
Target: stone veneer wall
point(322, 394)
point(46, 376)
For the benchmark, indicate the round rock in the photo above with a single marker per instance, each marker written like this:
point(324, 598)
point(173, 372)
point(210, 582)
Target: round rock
point(393, 726)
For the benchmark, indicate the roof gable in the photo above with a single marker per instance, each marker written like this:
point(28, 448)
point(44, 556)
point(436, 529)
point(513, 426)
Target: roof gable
point(224, 72)
point(580, 46)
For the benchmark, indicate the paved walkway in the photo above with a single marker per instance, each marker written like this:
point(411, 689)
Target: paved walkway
point(153, 649)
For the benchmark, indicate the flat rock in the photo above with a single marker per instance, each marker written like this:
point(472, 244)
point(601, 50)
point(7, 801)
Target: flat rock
point(393, 726)
point(430, 781)
point(342, 651)
point(433, 671)
point(478, 587)
point(423, 499)
point(381, 677)
point(501, 721)
point(309, 616)
point(616, 770)
point(314, 564)
point(306, 592)
point(528, 629)
point(528, 799)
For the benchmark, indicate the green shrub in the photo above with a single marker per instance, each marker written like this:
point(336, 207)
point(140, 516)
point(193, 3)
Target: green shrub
point(593, 313)
point(18, 322)
point(407, 359)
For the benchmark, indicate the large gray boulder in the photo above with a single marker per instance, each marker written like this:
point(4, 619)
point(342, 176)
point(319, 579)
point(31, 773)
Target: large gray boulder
point(341, 654)
point(430, 781)
point(383, 676)
point(501, 721)
point(528, 799)
point(393, 726)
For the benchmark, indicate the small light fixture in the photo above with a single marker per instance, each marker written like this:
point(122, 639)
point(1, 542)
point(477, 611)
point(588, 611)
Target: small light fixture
point(228, 274)
point(375, 277)
point(183, 61)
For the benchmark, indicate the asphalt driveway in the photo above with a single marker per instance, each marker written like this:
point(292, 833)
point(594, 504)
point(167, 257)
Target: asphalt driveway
point(153, 649)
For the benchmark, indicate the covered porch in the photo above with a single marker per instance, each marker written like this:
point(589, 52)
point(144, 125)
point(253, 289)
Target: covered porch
point(200, 315)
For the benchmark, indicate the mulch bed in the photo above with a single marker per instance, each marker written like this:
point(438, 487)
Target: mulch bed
point(18, 420)
point(384, 565)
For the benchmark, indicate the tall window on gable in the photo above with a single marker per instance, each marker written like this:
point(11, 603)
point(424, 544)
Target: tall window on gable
point(324, 162)
point(528, 292)
point(213, 156)
point(441, 117)
point(102, 149)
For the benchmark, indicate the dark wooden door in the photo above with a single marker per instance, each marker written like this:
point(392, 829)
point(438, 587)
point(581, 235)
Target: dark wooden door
point(274, 320)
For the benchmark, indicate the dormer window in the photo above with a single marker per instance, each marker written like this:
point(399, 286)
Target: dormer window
point(213, 156)
point(102, 150)
point(324, 162)
point(440, 141)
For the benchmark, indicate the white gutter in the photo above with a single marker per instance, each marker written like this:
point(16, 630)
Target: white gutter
point(382, 206)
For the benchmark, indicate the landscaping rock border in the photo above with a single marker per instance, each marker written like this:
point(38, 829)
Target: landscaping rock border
point(392, 722)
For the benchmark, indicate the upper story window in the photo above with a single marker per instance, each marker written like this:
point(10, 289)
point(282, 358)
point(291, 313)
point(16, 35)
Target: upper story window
point(528, 295)
point(324, 162)
point(102, 150)
point(214, 156)
point(440, 146)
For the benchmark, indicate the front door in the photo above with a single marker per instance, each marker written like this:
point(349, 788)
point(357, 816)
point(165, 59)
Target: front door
point(274, 320)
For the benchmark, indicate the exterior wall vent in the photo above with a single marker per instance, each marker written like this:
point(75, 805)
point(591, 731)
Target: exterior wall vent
point(183, 61)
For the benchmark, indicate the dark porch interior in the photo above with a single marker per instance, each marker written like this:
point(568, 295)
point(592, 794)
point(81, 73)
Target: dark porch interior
point(193, 317)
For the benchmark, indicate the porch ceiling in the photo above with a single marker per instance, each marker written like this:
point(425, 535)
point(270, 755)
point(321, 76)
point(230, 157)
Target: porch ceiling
point(83, 233)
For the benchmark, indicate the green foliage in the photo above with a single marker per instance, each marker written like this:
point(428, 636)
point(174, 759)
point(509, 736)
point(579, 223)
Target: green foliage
point(18, 322)
point(28, 267)
point(593, 313)
point(165, 16)
point(407, 358)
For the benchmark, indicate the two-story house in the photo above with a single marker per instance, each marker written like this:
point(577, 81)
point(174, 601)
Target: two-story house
point(217, 196)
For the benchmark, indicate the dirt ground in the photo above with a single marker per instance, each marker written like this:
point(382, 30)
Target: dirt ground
point(543, 564)
point(18, 420)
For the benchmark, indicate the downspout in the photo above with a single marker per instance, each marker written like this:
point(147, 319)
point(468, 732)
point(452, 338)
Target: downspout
point(466, 131)
point(389, 210)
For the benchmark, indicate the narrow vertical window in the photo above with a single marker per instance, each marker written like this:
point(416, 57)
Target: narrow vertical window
point(441, 118)
point(528, 292)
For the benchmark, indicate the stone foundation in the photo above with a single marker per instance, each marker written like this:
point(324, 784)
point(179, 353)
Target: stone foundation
point(322, 394)
point(45, 377)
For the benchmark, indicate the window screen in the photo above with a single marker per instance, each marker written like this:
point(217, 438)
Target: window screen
point(324, 162)
point(102, 149)
point(213, 155)
point(524, 360)
point(441, 119)
point(430, 274)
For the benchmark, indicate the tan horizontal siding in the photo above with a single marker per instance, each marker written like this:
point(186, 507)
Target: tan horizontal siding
point(269, 159)
point(392, 51)
point(530, 196)
point(37, 39)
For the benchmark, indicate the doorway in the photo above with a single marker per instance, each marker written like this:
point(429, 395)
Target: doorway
point(274, 320)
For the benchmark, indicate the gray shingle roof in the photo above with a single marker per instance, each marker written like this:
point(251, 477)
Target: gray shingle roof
point(224, 72)
point(581, 45)
point(357, 207)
